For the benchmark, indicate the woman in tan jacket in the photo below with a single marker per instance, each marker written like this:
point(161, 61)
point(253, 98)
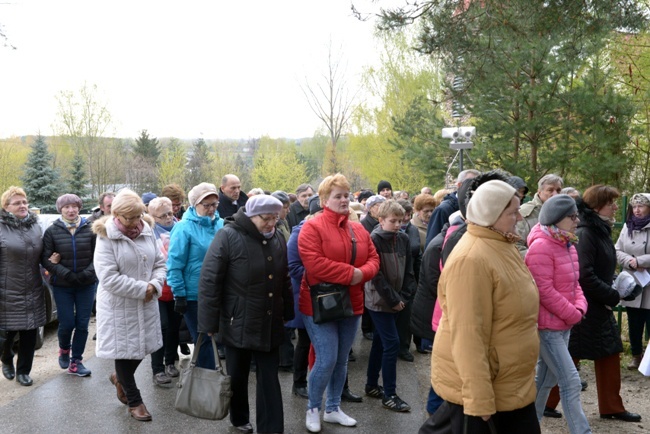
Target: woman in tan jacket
point(486, 347)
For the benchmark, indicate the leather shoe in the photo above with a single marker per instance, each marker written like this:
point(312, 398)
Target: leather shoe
point(121, 395)
point(8, 371)
point(583, 385)
point(301, 391)
point(624, 416)
point(24, 379)
point(407, 356)
point(348, 396)
point(551, 412)
point(140, 413)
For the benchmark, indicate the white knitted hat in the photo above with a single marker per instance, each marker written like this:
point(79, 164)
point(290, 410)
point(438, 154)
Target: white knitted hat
point(488, 202)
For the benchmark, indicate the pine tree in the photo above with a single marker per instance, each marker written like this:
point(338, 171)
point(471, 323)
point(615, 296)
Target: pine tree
point(41, 181)
point(147, 147)
point(200, 164)
point(77, 180)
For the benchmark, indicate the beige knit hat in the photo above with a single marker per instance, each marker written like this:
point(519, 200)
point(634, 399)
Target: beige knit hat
point(488, 202)
point(200, 192)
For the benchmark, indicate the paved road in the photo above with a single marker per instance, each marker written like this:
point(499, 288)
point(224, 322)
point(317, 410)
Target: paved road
point(88, 405)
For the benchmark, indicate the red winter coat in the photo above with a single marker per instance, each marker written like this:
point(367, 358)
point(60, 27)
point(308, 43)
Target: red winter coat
point(326, 249)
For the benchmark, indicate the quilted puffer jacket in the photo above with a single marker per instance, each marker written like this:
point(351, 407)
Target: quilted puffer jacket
point(127, 327)
point(76, 267)
point(555, 268)
point(22, 300)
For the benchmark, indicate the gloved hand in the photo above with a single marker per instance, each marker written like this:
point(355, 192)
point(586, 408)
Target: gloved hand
point(181, 305)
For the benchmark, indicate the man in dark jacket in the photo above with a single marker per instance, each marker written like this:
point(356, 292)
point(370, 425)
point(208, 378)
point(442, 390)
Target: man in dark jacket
point(300, 208)
point(105, 201)
point(230, 197)
point(447, 207)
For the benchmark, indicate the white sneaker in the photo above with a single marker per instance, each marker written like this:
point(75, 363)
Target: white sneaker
point(312, 421)
point(339, 417)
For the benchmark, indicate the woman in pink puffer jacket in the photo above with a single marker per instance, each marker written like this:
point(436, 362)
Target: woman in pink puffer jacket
point(553, 262)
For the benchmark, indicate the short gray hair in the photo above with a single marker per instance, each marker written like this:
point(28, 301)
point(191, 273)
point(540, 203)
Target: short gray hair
point(303, 187)
point(549, 179)
point(463, 175)
point(157, 202)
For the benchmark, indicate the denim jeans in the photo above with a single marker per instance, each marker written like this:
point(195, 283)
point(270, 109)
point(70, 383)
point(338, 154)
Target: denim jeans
point(433, 401)
point(206, 356)
point(555, 366)
point(383, 353)
point(74, 306)
point(332, 342)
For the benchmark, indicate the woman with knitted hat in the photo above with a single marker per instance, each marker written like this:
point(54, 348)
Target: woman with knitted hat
point(486, 346)
point(632, 253)
point(68, 248)
point(245, 296)
point(553, 261)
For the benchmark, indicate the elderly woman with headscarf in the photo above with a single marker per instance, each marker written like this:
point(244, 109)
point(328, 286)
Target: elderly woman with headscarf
point(131, 272)
point(633, 255)
point(22, 300)
point(486, 346)
point(68, 247)
point(188, 243)
point(245, 296)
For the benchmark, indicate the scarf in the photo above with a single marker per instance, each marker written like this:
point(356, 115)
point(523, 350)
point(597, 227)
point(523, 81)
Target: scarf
point(129, 233)
point(509, 236)
point(71, 225)
point(559, 234)
point(634, 223)
point(609, 220)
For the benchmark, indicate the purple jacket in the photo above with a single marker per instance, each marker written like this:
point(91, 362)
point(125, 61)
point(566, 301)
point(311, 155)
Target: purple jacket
point(554, 266)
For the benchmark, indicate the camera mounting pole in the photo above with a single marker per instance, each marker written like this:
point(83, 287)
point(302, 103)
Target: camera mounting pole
point(460, 140)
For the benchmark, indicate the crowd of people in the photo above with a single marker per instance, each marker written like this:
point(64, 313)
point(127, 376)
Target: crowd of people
point(507, 292)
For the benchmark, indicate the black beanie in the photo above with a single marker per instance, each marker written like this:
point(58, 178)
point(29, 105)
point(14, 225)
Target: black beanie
point(383, 184)
point(314, 204)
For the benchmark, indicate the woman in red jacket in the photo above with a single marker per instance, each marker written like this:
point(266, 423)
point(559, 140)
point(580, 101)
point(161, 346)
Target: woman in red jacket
point(325, 245)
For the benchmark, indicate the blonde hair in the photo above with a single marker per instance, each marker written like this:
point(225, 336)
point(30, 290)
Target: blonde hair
point(127, 202)
point(440, 194)
point(11, 192)
point(390, 207)
point(157, 203)
point(327, 185)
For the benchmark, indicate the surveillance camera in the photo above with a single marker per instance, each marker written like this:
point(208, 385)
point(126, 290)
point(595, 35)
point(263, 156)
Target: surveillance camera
point(459, 134)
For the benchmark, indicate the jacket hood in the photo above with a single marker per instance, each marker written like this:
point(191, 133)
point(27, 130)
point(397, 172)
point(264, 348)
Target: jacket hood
point(536, 232)
point(240, 221)
point(10, 220)
point(386, 235)
point(100, 226)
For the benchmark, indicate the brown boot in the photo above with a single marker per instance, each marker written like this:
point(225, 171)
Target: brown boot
point(140, 413)
point(634, 364)
point(121, 395)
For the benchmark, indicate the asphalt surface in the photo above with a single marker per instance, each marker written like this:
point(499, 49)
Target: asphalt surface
point(68, 403)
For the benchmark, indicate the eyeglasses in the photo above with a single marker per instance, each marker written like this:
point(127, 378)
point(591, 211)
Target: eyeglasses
point(269, 219)
point(573, 217)
point(210, 205)
point(22, 202)
point(165, 216)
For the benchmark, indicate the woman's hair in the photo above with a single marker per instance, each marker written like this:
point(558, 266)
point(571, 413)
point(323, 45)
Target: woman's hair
point(157, 203)
point(597, 196)
point(11, 192)
point(406, 205)
point(127, 202)
point(326, 186)
point(174, 192)
point(390, 207)
point(440, 194)
point(423, 200)
point(255, 192)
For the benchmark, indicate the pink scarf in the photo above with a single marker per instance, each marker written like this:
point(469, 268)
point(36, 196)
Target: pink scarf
point(129, 233)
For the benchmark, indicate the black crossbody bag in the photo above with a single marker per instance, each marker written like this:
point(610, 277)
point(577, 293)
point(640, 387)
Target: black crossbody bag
point(331, 301)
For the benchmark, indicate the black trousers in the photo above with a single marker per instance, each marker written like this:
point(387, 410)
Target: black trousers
point(170, 323)
point(125, 371)
point(301, 359)
point(286, 348)
point(450, 419)
point(26, 348)
point(268, 395)
point(403, 323)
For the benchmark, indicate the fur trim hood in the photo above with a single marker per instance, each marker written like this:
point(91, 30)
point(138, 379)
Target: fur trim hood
point(10, 220)
point(99, 226)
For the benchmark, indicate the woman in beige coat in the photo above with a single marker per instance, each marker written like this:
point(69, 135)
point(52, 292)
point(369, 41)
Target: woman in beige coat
point(131, 271)
point(486, 347)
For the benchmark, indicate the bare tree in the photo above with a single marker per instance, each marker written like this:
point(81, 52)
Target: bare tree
point(332, 101)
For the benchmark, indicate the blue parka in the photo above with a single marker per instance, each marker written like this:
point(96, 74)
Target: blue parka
point(189, 241)
point(296, 271)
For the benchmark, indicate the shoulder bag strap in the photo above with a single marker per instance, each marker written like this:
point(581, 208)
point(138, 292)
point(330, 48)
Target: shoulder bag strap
point(354, 245)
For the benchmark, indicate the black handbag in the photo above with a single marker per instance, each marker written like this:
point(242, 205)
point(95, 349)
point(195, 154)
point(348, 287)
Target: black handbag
point(331, 301)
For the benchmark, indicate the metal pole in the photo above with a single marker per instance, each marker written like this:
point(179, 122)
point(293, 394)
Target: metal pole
point(460, 161)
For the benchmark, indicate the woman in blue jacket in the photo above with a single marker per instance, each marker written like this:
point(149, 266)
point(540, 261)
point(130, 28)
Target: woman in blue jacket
point(188, 243)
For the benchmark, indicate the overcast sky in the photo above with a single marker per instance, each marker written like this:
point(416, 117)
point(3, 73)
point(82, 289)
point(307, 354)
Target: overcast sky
point(223, 69)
